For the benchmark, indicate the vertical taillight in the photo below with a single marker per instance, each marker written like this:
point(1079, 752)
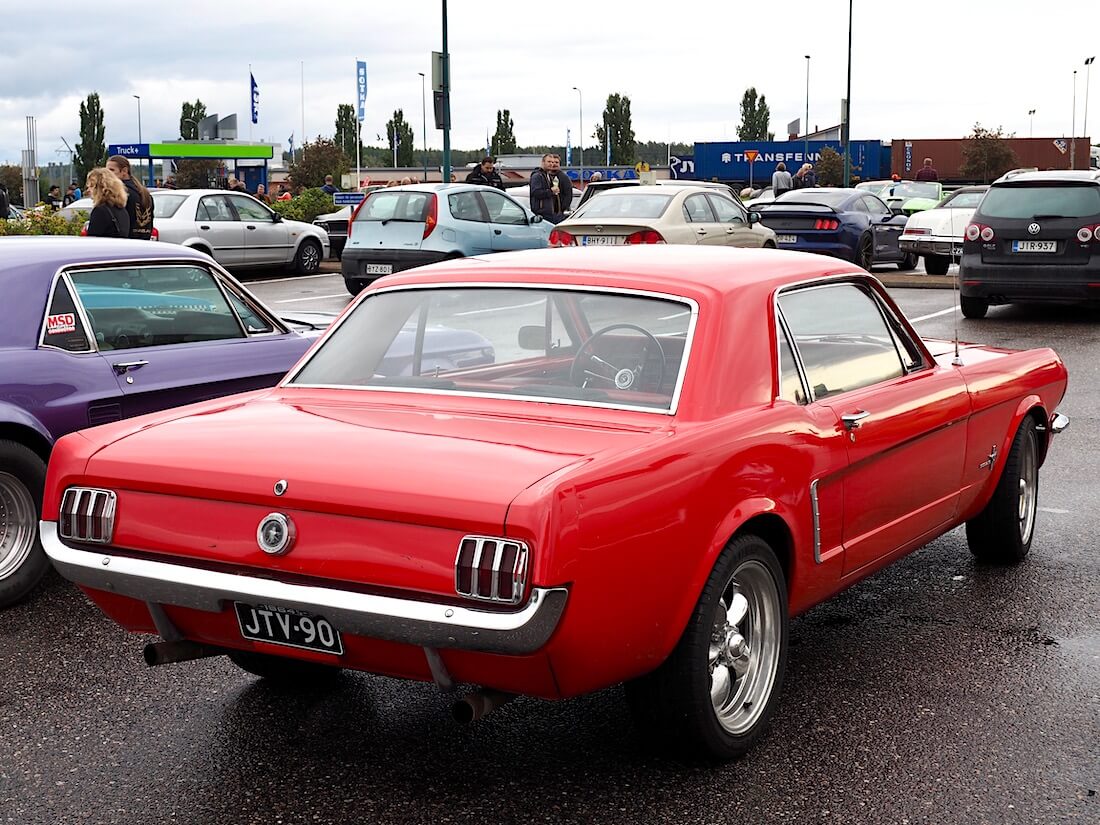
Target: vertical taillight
point(491, 569)
point(432, 216)
point(87, 514)
point(645, 236)
point(559, 237)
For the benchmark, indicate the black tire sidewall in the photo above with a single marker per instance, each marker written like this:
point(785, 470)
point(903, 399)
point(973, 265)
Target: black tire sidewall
point(300, 256)
point(26, 465)
point(994, 534)
point(868, 245)
point(936, 264)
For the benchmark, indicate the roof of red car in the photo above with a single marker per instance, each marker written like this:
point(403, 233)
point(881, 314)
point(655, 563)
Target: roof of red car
point(673, 269)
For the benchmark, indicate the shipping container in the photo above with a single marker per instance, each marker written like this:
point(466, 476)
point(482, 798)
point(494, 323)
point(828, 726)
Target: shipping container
point(729, 161)
point(907, 155)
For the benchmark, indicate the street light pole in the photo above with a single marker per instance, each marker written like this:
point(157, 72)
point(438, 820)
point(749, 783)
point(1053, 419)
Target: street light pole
point(1073, 127)
point(424, 124)
point(1031, 125)
point(848, 108)
point(580, 129)
point(1088, 71)
point(138, 99)
point(446, 102)
point(806, 128)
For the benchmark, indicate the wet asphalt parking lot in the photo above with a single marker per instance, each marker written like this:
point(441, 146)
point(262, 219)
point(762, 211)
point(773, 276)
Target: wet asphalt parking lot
point(937, 691)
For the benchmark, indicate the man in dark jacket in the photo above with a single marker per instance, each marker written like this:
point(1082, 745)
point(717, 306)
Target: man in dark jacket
point(5, 202)
point(485, 174)
point(551, 190)
point(927, 171)
point(139, 203)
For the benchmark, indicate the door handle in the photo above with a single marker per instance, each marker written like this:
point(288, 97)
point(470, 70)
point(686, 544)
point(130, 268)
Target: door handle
point(496, 231)
point(250, 227)
point(203, 226)
point(701, 231)
point(852, 420)
point(123, 367)
point(730, 230)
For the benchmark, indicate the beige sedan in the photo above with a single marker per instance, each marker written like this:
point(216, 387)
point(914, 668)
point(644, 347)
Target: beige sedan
point(662, 214)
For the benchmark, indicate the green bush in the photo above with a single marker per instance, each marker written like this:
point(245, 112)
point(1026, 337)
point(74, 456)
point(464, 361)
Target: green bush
point(46, 222)
point(306, 206)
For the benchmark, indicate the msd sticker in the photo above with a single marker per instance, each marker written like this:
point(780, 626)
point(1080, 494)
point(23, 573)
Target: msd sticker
point(60, 324)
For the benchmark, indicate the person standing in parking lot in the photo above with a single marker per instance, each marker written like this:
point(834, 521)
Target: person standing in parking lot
point(804, 178)
point(5, 202)
point(485, 174)
point(927, 172)
point(109, 217)
point(329, 188)
point(781, 179)
point(551, 190)
point(139, 203)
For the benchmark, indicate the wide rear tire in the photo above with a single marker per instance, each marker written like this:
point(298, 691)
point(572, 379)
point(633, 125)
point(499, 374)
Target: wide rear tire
point(908, 262)
point(23, 562)
point(715, 694)
point(1002, 532)
point(865, 253)
point(974, 307)
point(936, 264)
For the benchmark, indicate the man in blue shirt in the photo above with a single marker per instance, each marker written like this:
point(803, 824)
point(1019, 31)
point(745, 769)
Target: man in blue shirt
point(329, 188)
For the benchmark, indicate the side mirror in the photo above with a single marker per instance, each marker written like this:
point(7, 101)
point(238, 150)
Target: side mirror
point(276, 217)
point(754, 217)
point(533, 336)
point(536, 219)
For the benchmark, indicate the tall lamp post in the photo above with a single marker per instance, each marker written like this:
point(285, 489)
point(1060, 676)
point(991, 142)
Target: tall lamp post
point(1031, 123)
point(1073, 127)
point(138, 99)
point(424, 124)
point(848, 108)
point(806, 128)
point(580, 129)
point(446, 102)
point(1088, 71)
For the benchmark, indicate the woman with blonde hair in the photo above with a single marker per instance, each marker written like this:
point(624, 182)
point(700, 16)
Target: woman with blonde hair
point(109, 218)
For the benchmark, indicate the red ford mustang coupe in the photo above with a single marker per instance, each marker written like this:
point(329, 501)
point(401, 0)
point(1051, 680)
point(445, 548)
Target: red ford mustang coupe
point(665, 454)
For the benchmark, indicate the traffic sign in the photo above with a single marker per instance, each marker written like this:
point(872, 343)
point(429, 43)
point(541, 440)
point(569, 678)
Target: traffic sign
point(751, 155)
point(347, 198)
point(641, 166)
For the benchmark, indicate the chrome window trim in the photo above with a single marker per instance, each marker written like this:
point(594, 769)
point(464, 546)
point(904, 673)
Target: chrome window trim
point(782, 329)
point(440, 624)
point(815, 510)
point(89, 333)
point(674, 402)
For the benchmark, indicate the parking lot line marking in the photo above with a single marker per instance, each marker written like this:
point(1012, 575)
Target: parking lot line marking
point(497, 309)
point(312, 298)
point(932, 315)
point(1053, 510)
point(295, 278)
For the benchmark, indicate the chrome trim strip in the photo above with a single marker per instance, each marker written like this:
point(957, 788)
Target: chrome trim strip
point(426, 624)
point(674, 401)
point(817, 519)
point(1058, 423)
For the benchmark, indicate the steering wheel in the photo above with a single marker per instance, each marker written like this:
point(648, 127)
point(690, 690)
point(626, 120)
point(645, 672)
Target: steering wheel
point(589, 368)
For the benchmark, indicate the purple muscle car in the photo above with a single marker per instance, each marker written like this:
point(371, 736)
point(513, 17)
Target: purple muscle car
point(93, 330)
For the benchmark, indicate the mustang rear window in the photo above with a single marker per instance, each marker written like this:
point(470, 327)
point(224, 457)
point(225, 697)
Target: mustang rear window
point(1030, 202)
point(601, 348)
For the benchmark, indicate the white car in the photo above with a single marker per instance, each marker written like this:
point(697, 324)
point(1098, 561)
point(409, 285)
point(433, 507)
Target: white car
point(937, 234)
point(237, 230)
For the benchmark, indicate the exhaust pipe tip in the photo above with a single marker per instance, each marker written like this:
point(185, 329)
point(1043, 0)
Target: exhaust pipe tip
point(478, 705)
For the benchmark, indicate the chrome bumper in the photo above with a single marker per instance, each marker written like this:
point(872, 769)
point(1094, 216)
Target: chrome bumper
point(425, 624)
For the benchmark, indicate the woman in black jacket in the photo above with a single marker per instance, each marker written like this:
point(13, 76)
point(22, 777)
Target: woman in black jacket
point(109, 218)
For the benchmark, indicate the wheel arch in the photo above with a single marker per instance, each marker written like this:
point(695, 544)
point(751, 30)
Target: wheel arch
point(16, 425)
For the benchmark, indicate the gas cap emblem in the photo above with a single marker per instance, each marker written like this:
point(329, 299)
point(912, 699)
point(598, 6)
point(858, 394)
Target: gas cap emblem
point(280, 486)
point(1033, 229)
point(275, 535)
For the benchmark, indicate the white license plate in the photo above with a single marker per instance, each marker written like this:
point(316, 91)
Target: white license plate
point(601, 240)
point(379, 269)
point(786, 239)
point(287, 627)
point(1034, 246)
point(956, 251)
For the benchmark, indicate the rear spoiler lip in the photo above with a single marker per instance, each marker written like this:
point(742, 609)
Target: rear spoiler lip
point(800, 206)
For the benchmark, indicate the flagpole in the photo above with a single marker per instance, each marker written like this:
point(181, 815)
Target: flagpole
point(303, 140)
point(251, 102)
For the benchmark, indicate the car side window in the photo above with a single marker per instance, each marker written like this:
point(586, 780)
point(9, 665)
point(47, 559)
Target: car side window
point(465, 206)
point(503, 210)
point(63, 327)
point(254, 323)
point(214, 208)
point(859, 206)
point(146, 306)
point(842, 337)
point(726, 210)
point(697, 210)
point(875, 206)
point(250, 209)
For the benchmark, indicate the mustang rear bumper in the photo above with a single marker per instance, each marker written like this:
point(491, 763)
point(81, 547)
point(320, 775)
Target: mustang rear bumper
point(426, 624)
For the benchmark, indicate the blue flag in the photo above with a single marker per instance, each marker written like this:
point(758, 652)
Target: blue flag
point(290, 143)
point(361, 83)
point(255, 99)
point(568, 149)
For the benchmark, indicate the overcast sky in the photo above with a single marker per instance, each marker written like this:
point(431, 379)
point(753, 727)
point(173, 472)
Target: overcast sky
point(919, 69)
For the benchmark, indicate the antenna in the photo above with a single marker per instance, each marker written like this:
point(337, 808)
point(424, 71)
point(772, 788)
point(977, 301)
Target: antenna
point(956, 289)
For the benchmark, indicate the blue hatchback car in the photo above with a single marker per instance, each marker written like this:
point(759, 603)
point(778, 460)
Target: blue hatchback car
point(851, 224)
point(402, 227)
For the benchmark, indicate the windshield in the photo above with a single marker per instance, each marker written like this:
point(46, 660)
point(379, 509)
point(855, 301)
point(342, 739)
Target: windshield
point(911, 190)
point(826, 197)
point(597, 348)
point(165, 206)
point(625, 204)
point(873, 186)
point(963, 200)
point(1052, 201)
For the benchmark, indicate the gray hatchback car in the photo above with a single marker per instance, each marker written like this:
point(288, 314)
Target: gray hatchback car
point(406, 226)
